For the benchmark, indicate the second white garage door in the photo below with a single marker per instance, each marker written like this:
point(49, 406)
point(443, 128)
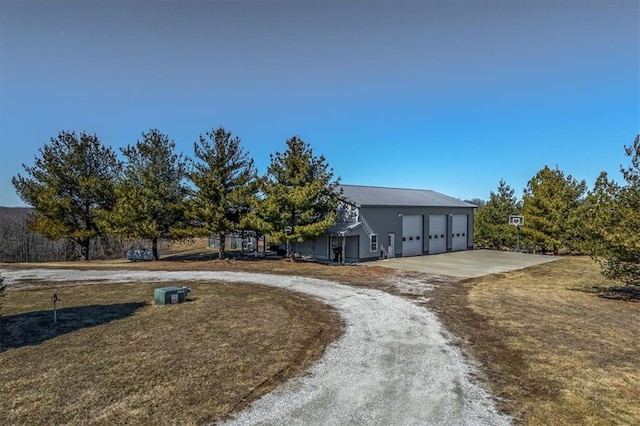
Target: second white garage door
point(437, 233)
point(412, 235)
point(459, 232)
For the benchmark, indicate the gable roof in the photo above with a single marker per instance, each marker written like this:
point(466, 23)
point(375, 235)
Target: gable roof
point(380, 196)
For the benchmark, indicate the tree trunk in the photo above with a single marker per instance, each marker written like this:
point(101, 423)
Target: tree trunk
point(84, 245)
point(154, 248)
point(223, 237)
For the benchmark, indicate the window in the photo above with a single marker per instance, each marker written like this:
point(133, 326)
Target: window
point(373, 240)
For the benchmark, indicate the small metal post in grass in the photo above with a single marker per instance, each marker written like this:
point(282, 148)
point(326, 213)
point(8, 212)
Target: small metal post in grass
point(55, 300)
point(3, 287)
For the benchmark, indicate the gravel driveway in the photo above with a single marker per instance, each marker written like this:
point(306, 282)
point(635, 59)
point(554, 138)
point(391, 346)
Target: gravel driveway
point(394, 364)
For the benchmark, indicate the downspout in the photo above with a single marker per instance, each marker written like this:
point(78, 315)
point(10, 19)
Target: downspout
point(343, 248)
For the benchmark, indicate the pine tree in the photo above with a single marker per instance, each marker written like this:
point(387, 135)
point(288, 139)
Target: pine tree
point(151, 193)
point(492, 229)
point(70, 184)
point(299, 195)
point(600, 211)
point(550, 207)
point(618, 218)
point(225, 180)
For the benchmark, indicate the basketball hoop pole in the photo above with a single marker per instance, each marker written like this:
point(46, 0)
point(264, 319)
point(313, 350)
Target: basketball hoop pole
point(517, 221)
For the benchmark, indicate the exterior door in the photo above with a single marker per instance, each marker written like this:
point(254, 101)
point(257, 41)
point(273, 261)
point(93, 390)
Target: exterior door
point(437, 233)
point(391, 245)
point(459, 232)
point(412, 235)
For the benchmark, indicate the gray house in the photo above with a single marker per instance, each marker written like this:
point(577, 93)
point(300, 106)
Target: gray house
point(375, 222)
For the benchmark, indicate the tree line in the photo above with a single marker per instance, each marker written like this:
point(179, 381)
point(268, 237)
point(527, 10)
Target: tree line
point(562, 215)
point(81, 191)
point(18, 243)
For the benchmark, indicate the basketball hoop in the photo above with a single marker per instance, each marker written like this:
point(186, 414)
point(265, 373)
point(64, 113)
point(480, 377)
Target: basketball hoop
point(517, 221)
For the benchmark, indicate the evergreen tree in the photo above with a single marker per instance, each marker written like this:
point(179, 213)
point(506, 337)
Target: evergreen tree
point(225, 178)
point(151, 193)
point(492, 229)
point(599, 210)
point(299, 195)
point(69, 185)
point(618, 218)
point(550, 207)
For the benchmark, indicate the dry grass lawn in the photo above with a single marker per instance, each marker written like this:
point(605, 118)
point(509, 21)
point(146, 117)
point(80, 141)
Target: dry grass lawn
point(115, 358)
point(551, 348)
point(557, 352)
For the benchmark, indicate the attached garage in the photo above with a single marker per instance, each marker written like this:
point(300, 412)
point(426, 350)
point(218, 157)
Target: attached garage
point(459, 232)
point(412, 235)
point(437, 234)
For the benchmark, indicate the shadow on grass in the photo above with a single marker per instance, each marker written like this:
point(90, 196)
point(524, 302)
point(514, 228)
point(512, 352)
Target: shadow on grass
point(32, 328)
point(199, 256)
point(210, 255)
point(628, 293)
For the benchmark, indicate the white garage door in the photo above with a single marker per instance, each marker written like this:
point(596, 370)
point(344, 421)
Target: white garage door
point(437, 233)
point(412, 235)
point(459, 232)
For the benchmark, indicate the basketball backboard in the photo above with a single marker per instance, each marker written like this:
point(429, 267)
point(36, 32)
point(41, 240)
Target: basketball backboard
point(516, 220)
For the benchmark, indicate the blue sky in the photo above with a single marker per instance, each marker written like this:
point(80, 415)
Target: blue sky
point(450, 96)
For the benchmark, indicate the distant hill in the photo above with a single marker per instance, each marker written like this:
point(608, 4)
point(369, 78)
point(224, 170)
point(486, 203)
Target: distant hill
point(14, 212)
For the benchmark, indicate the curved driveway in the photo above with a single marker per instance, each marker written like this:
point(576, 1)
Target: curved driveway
point(394, 364)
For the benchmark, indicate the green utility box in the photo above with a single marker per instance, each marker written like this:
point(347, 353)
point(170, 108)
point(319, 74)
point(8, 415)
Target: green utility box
point(169, 295)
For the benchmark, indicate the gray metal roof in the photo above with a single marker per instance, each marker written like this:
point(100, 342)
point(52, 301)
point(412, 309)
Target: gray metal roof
point(380, 196)
point(343, 229)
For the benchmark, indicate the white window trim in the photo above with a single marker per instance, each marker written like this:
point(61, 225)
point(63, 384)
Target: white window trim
point(371, 249)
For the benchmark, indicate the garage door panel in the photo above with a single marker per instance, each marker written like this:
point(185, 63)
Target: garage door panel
point(459, 235)
point(412, 235)
point(437, 234)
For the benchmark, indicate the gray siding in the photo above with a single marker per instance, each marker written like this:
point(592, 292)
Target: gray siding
point(317, 248)
point(351, 247)
point(387, 219)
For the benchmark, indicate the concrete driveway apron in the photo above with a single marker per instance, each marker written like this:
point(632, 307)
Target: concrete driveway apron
point(465, 264)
